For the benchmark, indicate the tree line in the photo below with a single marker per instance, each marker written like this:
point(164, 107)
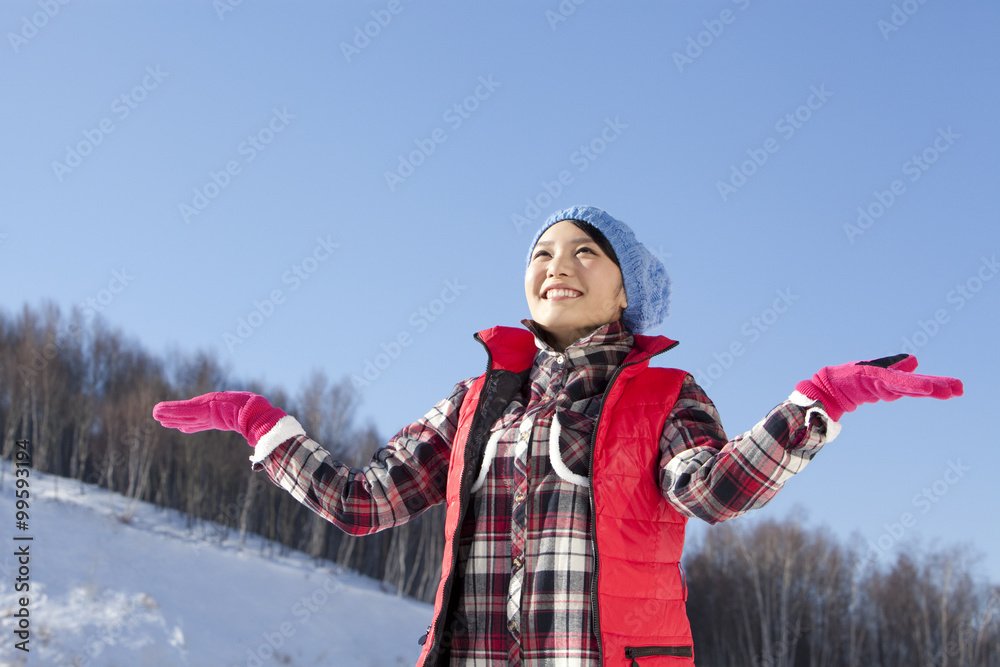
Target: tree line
point(770, 593)
point(83, 394)
point(774, 593)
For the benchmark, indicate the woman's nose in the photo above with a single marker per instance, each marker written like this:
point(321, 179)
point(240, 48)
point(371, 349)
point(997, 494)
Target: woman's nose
point(559, 266)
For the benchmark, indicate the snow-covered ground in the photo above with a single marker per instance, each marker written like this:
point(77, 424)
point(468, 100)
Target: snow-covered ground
point(151, 592)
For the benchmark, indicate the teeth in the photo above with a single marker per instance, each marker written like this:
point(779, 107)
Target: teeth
point(561, 292)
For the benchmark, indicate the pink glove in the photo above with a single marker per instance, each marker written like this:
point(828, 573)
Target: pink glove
point(843, 388)
point(240, 411)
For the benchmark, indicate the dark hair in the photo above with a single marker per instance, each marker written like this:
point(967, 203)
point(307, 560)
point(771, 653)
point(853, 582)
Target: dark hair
point(599, 238)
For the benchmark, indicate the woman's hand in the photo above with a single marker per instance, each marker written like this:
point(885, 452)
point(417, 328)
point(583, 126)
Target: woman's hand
point(248, 414)
point(843, 388)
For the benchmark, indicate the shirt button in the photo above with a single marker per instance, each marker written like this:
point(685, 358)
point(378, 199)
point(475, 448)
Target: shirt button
point(517, 563)
point(512, 626)
point(560, 359)
point(523, 437)
point(519, 497)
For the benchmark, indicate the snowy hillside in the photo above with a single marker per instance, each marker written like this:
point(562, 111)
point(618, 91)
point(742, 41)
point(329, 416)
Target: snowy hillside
point(150, 592)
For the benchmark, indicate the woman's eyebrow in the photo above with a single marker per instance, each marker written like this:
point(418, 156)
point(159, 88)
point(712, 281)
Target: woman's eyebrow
point(582, 239)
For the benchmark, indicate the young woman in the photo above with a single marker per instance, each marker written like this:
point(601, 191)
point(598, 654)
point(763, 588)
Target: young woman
point(569, 468)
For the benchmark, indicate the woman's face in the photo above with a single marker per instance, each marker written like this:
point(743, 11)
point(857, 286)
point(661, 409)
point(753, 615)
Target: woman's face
point(571, 285)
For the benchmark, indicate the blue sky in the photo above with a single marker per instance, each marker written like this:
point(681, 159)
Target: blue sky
point(352, 186)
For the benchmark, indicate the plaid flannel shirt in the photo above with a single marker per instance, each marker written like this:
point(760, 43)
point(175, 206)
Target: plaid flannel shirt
point(524, 551)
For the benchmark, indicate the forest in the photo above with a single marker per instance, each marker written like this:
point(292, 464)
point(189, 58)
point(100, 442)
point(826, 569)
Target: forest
point(775, 593)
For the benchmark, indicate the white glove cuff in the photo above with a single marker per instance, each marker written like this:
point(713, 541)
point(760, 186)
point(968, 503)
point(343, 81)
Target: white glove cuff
point(286, 428)
point(815, 407)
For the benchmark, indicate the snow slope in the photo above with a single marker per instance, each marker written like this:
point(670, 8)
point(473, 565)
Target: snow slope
point(151, 592)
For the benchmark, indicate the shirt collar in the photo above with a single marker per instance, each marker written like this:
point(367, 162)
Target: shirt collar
point(612, 333)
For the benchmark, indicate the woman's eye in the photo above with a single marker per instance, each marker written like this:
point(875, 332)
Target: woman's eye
point(541, 253)
point(586, 249)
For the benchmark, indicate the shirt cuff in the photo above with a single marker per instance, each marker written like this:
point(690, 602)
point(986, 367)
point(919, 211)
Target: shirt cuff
point(815, 407)
point(287, 427)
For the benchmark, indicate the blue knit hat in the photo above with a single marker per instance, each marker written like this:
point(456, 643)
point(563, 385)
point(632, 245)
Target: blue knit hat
point(647, 286)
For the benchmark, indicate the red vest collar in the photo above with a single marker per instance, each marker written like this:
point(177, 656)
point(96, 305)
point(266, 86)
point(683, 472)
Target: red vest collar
point(513, 349)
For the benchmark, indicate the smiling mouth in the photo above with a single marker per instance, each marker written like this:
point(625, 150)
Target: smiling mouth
point(561, 293)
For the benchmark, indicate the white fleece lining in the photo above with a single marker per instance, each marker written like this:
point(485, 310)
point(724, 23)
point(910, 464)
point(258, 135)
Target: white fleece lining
point(287, 427)
point(832, 427)
point(488, 456)
point(555, 457)
point(814, 406)
point(801, 400)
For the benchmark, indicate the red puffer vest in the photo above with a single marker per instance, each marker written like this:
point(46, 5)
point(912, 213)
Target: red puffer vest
point(638, 589)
